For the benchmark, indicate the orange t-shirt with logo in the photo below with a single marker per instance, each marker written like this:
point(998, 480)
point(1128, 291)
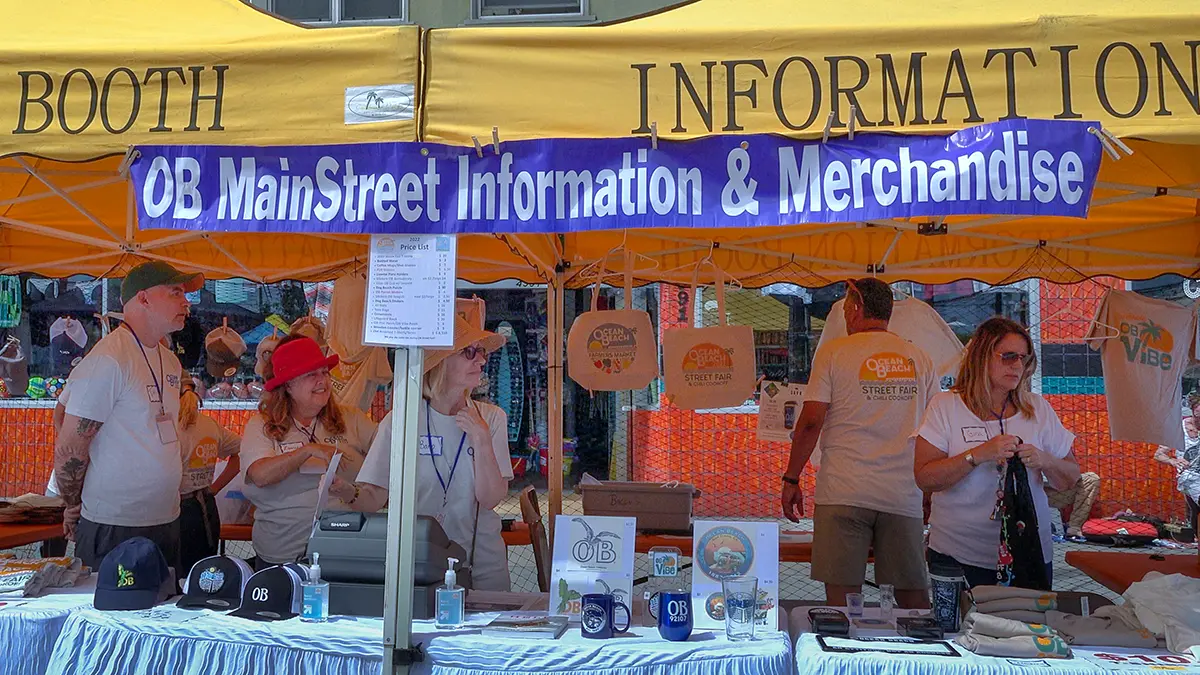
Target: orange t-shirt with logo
point(1143, 365)
point(202, 445)
point(877, 385)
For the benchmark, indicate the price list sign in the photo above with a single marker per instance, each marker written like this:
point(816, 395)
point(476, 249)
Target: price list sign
point(410, 291)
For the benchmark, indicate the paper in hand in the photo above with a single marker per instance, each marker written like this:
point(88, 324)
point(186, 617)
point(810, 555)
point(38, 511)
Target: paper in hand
point(323, 492)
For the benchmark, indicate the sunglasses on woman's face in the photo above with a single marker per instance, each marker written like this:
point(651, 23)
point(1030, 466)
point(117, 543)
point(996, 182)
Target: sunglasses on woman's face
point(1013, 358)
point(473, 352)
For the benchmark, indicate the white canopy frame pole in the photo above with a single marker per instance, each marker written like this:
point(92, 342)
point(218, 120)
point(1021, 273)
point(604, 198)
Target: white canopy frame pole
point(398, 652)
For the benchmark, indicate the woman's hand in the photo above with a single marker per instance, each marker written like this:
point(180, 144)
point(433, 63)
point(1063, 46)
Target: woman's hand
point(473, 425)
point(321, 451)
point(998, 449)
point(343, 490)
point(1033, 457)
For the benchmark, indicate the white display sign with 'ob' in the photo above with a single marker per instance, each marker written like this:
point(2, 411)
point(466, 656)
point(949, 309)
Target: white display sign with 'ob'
point(592, 554)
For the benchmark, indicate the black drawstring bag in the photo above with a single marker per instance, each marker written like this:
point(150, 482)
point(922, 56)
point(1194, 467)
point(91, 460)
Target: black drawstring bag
point(1021, 561)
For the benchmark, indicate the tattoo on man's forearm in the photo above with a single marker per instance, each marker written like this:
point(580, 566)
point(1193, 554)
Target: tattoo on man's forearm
point(88, 428)
point(71, 460)
point(70, 480)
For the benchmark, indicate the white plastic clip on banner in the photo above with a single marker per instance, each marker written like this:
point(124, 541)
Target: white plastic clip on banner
point(478, 147)
point(850, 124)
point(1110, 143)
point(496, 139)
point(131, 154)
point(828, 126)
point(654, 135)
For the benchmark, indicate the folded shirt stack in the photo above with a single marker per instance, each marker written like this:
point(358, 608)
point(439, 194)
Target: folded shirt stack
point(988, 635)
point(1018, 604)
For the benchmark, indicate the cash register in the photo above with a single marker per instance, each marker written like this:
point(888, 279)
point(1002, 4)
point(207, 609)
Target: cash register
point(353, 548)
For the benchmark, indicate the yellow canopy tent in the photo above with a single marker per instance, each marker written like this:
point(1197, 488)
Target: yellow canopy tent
point(84, 81)
point(809, 69)
point(806, 68)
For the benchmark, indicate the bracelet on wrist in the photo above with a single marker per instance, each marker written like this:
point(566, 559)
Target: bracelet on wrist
point(790, 481)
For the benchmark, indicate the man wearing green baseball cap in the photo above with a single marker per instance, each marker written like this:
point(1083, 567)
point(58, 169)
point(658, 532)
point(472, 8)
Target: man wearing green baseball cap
point(117, 458)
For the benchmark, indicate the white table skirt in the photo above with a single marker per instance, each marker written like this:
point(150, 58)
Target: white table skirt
point(28, 631)
point(182, 642)
point(812, 660)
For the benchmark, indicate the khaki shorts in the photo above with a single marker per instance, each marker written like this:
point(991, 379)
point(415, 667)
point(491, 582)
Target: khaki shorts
point(842, 541)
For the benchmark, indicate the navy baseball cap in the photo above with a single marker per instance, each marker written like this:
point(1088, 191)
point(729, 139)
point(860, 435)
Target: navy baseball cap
point(273, 594)
point(134, 575)
point(216, 582)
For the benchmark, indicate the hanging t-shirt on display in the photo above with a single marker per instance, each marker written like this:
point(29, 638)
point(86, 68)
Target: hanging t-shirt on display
point(915, 321)
point(1143, 365)
point(363, 369)
point(68, 339)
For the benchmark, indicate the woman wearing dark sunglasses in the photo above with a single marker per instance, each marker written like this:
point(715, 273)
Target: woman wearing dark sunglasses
point(463, 466)
point(968, 435)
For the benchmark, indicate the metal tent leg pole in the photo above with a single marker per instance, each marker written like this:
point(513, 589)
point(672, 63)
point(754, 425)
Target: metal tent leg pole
point(398, 653)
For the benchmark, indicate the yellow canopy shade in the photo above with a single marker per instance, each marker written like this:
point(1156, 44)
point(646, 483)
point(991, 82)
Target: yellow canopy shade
point(65, 206)
point(791, 66)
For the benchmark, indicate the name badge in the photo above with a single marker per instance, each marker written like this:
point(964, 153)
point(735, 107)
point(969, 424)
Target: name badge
point(152, 394)
point(974, 434)
point(290, 447)
point(166, 429)
point(424, 448)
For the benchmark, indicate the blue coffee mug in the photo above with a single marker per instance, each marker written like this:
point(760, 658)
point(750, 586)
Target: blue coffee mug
point(596, 616)
point(675, 615)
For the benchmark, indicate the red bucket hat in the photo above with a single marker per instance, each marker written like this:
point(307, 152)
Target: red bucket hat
point(295, 358)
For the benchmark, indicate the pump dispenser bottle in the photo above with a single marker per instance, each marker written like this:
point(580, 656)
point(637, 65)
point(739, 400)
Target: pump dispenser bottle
point(316, 594)
point(451, 599)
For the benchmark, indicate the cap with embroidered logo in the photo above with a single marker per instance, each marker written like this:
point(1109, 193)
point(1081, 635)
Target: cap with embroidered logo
point(273, 594)
point(216, 582)
point(134, 575)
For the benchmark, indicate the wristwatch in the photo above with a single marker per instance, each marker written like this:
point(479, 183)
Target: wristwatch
point(791, 481)
point(971, 459)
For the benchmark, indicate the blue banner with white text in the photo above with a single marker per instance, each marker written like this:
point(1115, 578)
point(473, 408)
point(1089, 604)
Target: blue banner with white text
point(1017, 167)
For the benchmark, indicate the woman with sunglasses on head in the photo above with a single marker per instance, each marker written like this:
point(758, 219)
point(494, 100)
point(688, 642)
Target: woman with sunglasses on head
point(968, 435)
point(463, 466)
point(288, 445)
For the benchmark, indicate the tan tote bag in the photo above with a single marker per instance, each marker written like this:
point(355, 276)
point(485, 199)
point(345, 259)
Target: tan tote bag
point(709, 367)
point(614, 349)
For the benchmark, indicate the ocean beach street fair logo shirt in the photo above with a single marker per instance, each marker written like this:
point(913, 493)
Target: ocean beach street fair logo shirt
point(877, 385)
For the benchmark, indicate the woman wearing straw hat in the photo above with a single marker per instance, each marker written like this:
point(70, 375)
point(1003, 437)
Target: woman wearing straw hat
point(287, 447)
point(463, 466)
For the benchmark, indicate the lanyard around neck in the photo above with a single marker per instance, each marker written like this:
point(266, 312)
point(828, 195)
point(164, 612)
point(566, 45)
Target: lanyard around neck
point(157, 386)
point(446, 483)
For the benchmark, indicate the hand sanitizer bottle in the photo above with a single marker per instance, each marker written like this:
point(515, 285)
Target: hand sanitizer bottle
point(316, 594)
point(451, 599)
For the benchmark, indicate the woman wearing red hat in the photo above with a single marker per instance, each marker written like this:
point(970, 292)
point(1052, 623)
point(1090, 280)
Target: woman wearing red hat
point(463, 468)
point(287, 447)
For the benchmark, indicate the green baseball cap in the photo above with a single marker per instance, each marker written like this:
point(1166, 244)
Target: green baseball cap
point(157, 273)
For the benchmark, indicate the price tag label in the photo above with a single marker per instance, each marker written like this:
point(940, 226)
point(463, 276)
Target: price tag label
point(1176, 662)
point(666, 564)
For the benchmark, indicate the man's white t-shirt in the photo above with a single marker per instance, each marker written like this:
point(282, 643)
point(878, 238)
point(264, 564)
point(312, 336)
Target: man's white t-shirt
point(133, 478)
point(454, 507)
point(284, 512)
point(960, 523)
point(877, 385)
point(203, 444)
